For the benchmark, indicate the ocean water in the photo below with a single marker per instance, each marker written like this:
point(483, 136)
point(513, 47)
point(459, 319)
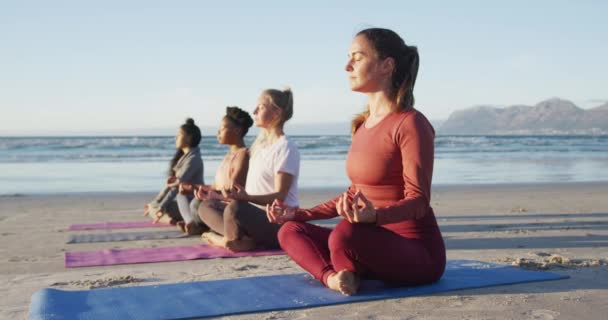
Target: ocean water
point(32, 165)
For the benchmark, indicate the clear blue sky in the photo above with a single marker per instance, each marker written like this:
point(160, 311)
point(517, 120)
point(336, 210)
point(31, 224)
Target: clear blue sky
point(76, 66)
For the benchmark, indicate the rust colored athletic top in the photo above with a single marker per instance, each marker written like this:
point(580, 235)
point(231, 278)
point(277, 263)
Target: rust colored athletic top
point(392, 164)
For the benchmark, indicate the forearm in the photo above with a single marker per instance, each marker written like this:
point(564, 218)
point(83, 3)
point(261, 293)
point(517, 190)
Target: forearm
point(264, 199)
point(319, 212)
point(325, 210)
point(159, 197)
point(169, 196)
point(406, 209)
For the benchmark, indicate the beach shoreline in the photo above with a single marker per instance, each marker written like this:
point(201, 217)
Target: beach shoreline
point(495, 223)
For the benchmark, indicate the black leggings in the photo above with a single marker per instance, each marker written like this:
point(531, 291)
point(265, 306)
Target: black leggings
point(240, 218)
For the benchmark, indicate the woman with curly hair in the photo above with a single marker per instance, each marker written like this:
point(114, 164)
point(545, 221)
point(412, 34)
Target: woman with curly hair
point(232, 170)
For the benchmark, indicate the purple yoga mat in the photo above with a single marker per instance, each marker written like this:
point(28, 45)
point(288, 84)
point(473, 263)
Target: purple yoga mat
point(117, 225)
point(161, 254)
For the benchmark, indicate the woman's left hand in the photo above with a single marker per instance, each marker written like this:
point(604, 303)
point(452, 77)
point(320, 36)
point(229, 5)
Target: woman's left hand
point(186, 188)
point(279, 213)
point(174, 183)
point(237, 192)
point(357, 210)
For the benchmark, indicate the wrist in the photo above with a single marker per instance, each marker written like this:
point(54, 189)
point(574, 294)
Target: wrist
point(376, 216)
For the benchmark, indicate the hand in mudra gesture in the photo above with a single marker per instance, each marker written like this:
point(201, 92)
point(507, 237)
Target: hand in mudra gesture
point(172, 181)
point(357, 210)
point(200, 193)
point(278, 212)
point(237, 192)
point(186, 188)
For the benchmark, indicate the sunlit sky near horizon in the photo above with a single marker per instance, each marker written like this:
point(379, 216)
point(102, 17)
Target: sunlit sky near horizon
point(81, 66)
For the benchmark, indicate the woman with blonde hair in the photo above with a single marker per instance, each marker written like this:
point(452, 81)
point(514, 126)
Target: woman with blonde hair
point(274, 167)
point(388, 231)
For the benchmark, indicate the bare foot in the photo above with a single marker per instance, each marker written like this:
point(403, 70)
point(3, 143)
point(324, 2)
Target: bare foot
point(160, 217)
point(344, 281)
point(214, 239)
point(193, 228)
point(146, 213)
point(244, 244)
point(181, 226)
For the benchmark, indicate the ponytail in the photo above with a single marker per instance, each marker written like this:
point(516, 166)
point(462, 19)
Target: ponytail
point(282, 99)
point(389, 44)
point(194, 137)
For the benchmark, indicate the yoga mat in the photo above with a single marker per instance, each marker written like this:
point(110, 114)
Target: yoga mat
point(160, 254)
point(117, 225)
point(255, 294)
point(125, 236)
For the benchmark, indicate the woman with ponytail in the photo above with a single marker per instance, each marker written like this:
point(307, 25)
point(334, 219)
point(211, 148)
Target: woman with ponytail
point(274, 166)
point(388, 229)
point(185, 167)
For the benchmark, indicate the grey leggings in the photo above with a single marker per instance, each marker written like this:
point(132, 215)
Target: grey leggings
point(238, 219)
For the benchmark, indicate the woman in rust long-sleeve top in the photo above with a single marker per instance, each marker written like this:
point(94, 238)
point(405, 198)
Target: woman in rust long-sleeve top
point(389, 231)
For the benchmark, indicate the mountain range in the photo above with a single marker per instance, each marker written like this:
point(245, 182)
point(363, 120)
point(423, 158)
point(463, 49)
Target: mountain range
point(550, 117)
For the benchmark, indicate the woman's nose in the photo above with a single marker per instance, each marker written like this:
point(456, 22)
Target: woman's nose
point(348, 67)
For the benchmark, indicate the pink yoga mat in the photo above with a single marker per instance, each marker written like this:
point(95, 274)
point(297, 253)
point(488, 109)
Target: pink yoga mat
point(117, 225)
point(161, 254)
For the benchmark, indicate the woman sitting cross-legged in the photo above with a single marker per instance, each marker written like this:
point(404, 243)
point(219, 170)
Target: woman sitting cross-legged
point(232, 170)
point(388, 229)
point(274, 166)
point(185, 167)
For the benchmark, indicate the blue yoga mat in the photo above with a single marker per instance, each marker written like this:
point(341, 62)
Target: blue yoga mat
point(255, 294)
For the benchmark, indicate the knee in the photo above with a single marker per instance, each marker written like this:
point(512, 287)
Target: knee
point(194, 204)
point(288, 231)
point(203, 207)
point(344, 235)
point(232, 210)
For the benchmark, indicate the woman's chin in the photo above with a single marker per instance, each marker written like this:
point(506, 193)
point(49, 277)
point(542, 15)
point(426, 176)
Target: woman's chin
point(355, 87)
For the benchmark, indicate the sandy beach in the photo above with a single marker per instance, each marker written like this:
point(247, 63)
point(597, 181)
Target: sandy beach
point(559, 227)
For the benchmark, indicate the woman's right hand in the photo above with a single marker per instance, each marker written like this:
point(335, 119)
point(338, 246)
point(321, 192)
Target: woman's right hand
point(170, 180)
point(213, 195)
point(200, 193)
point(278, 212)
point(186, 188)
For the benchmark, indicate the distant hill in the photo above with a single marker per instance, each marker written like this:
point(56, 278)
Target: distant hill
point(552, 116)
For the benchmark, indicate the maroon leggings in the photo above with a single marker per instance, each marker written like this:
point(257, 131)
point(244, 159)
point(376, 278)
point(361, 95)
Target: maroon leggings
point(368, 250)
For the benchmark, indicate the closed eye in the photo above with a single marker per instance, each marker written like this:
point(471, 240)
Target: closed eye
point(356, 56)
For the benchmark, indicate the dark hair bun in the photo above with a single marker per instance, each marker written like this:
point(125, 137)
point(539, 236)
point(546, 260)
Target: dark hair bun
point(190, 121)
point(239, 117)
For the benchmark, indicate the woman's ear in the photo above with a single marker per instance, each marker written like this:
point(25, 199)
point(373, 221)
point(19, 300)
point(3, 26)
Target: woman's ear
point(388, 65)
point(278, 114)
point(240, 131)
